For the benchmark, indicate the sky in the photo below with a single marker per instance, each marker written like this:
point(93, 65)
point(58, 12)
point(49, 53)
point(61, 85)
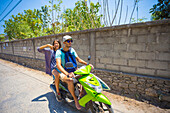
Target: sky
point(21, 5)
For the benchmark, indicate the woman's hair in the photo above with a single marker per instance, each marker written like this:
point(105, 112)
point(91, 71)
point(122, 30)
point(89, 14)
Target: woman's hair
point(58, 43)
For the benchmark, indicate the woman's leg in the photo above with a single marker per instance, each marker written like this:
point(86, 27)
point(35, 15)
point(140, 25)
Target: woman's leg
point(57, 79)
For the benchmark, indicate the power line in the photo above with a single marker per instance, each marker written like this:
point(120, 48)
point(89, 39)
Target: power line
point(6, 8)
point(10, 10)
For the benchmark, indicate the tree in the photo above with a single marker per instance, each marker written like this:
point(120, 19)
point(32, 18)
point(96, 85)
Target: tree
point(56, 15)
point(2, 37)
point(81, 17)
point(24, 25)
point(49, 20)
point(161, 10)
point(133, 20)
point(34, 23)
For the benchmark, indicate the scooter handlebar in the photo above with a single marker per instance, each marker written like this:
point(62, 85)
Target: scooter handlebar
point(77, 76)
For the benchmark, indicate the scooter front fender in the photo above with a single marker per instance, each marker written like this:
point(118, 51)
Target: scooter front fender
point(85, 99)
point(99, 97)
point(102, 98)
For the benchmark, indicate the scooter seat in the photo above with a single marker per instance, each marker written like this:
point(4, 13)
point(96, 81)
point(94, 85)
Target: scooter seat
point(65, 84)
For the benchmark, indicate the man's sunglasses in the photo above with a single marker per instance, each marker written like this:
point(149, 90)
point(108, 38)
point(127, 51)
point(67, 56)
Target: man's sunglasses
point(68, 41)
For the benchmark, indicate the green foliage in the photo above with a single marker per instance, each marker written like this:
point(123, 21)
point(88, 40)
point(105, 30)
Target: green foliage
point(24, 25)
point(2, 37)
point(161, 10)
point(82, 17)
point(138, 20)
point(50, 20)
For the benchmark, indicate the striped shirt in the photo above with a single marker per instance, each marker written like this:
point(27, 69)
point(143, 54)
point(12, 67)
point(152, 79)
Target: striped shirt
point(49, 59)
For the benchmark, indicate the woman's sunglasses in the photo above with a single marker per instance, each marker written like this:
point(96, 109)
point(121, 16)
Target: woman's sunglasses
point(68, 41)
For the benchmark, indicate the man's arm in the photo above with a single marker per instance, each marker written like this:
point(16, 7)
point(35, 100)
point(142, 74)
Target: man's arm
point(58, 63)
point(81, 61)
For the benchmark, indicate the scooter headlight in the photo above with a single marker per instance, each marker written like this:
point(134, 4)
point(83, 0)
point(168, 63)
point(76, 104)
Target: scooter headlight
point(98, 89)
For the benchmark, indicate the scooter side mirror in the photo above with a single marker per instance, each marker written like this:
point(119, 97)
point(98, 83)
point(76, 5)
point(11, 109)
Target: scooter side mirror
point(89, 57)
point(69, 64)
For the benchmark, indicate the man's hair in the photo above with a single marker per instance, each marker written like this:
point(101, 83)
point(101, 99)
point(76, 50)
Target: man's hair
point(58, 42)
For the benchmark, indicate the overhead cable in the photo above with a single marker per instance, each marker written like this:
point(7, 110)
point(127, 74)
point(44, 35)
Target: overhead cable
point(10, 10)
point(6, 8)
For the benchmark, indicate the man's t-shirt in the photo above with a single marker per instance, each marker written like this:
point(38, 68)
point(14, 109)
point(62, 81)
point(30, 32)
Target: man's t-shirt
point(61, 55)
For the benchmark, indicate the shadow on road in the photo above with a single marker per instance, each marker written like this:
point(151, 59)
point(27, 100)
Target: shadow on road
point(54, 105)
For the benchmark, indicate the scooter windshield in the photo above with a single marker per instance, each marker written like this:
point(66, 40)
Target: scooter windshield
point(84, 70)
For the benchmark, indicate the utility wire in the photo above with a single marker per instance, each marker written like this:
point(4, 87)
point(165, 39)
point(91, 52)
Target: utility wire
point(10, 10)
point(6, 8)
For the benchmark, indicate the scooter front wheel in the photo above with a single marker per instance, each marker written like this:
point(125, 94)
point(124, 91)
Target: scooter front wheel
point(99, 107)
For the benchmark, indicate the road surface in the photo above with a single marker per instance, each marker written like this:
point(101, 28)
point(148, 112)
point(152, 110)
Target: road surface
point(25, 90)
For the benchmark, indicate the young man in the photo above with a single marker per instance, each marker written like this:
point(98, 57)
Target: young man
point(64, 75)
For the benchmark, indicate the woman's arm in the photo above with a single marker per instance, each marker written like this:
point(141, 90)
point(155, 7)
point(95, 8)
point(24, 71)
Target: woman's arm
point(47, 45)
point(42, 50)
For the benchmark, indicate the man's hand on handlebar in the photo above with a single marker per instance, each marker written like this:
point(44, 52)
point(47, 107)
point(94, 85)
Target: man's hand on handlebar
point(70, 75)
point(92, 67)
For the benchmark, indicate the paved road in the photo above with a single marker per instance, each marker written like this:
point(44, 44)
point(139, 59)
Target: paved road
point(27, 91)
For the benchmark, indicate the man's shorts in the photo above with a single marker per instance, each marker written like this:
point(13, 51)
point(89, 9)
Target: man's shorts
point(55, 67)
point(62, 75)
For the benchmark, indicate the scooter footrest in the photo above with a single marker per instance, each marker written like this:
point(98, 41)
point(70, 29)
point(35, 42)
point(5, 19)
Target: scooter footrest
point(52, 86)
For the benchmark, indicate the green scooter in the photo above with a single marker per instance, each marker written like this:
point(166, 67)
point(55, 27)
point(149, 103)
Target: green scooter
point(93, 99)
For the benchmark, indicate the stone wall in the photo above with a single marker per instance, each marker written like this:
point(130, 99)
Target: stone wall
point(133, 59)
point(147, 89)
point(141, 50)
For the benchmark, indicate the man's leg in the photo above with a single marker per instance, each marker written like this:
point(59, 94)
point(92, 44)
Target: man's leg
point(82, 91)
point(57, 81)
point(69, 81)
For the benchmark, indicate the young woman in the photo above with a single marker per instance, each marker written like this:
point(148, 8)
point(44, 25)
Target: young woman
point(49, 51)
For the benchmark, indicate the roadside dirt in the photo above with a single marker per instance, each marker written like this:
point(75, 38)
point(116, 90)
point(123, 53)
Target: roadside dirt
point(120, 104)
